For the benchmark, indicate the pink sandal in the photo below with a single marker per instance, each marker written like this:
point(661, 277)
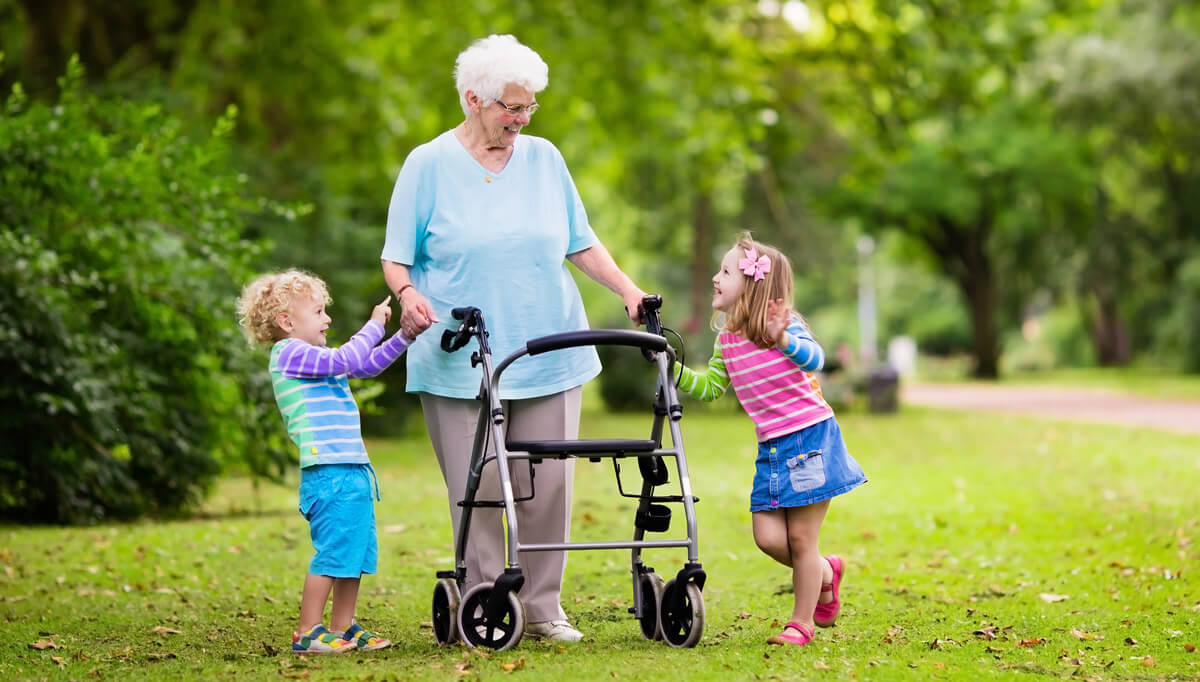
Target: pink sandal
point(825, 615)
point(805, 636)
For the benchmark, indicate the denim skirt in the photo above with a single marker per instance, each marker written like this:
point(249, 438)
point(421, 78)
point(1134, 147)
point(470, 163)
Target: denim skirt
point(802, 468)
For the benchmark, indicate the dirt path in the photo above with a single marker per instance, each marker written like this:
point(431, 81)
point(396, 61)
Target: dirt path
point(1076, 404)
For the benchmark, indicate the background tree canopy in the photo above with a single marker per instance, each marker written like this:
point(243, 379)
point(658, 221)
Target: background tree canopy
point(1019, 160)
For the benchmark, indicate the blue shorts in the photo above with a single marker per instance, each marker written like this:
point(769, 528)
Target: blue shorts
point(803, 468)
point(337, 501)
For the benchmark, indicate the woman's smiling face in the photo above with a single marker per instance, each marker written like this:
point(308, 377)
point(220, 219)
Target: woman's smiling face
point(500, 125)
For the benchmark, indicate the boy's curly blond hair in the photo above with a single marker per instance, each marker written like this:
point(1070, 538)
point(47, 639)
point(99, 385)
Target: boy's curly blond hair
point(269, 295)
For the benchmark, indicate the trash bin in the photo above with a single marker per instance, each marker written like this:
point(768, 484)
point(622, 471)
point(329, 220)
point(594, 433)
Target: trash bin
point(883, 388)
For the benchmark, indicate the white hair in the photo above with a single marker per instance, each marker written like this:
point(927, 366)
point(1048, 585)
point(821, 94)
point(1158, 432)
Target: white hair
point(490, 64)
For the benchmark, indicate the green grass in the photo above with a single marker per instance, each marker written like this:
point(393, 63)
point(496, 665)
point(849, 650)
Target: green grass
point(967, 520)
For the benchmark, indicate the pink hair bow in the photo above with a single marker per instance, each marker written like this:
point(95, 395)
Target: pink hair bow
point(754, 265)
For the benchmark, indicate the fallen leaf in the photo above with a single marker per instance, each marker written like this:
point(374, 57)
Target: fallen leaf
point(994, 650)
point(1148, 661)
point(1190, 648)
point(59, 660)
point(513, 665)
point(43, 644)
point(820, 665)
point(271, 651)
point(939, 665)
point(744, 615)
point(162, 656)
point(1032, 641)
point(1080, 634)
point(396, 528)
point(163, 630)
point(988, 633)
point(894, 630)
point(1051, 598)
point(1131, 641)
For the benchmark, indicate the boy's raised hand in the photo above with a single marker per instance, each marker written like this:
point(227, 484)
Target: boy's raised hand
point(383, 312)
point(778, 316)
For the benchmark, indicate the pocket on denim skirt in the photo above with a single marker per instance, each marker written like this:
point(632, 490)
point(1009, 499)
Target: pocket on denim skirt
point(806, 471)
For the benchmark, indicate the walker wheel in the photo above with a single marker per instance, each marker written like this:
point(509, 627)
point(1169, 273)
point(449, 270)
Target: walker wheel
point(446, 599)
point(682, 628)
point(476, 630)
point(651, 585)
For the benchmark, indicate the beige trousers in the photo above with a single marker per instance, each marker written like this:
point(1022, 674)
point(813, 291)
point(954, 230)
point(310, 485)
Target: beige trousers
point(545, 518)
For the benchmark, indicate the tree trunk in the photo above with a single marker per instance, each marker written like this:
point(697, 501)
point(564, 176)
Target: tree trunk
point(701, 269)
point(1109, 335)
point(979, 290)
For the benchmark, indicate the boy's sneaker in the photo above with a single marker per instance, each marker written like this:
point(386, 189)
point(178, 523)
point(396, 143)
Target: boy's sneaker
point(359, 638)
point(553, 630)
point(318, 640)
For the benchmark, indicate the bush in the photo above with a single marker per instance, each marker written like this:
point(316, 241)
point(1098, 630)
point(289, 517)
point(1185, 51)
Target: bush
point(127, 385)
point(628, 382)
point(1179, 335)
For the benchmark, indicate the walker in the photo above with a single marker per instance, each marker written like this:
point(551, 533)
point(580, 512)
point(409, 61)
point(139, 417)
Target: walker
point(490, 614)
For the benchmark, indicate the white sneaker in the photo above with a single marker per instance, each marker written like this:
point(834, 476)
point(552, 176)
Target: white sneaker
point(553, 630)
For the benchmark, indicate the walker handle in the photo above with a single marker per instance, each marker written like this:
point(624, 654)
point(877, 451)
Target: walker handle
point(596, 337)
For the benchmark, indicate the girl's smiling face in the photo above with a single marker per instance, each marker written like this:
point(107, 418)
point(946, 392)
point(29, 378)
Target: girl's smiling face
point(729, 282)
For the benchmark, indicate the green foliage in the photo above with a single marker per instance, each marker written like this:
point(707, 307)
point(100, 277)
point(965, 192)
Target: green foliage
point(127, 385)
point(1180, 332)
point(628, 382)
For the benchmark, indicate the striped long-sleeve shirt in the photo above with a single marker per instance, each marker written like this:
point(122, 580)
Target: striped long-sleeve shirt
point(776, 386)
point(313, 393)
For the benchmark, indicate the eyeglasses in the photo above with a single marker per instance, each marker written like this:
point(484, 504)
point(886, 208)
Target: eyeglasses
point(518, 109)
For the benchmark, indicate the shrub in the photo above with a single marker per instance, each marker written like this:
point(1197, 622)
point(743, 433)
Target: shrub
point(126, 384)
point(1179, 334)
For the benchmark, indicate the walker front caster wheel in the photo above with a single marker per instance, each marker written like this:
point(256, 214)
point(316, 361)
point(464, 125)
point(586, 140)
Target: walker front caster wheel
point(682, 625)
point(477, 630)
point(446, 599)
point(651, 585)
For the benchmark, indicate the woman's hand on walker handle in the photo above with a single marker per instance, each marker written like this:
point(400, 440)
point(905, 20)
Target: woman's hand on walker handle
point(633, 304)
point(416, 313)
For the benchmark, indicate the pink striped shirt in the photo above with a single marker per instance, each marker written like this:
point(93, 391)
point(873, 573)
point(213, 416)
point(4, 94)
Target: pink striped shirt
point(778, 395)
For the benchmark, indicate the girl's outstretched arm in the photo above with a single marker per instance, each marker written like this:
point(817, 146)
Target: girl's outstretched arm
point(798, 344)
point(708, 386)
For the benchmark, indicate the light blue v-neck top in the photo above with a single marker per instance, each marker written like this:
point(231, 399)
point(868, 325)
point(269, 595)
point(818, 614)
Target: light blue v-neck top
point(496, 241)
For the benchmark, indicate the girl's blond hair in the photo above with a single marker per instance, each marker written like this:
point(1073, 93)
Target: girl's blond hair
point(269, 295)
point(749, 315)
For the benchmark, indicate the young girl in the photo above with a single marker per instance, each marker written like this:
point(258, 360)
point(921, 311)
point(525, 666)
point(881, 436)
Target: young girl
point(768, 354)
point(287, 310)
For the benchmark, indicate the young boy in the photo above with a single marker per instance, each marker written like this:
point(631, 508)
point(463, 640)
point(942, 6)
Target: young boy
point(287, 309)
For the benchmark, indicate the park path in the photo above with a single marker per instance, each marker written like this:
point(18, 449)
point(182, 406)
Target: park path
point(1075, 404)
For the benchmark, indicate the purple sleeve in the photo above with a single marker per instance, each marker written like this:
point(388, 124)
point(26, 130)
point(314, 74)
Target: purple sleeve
point(306, 361)
point(382, 356)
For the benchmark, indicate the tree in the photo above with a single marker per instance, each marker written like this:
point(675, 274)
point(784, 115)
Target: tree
point(947, 149)
point(127, 385)
point(1128, 81)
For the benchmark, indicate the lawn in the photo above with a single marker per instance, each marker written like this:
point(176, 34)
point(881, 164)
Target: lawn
point(983, 546)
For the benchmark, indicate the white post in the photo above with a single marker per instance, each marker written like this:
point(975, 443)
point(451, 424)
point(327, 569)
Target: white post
point(866, 303)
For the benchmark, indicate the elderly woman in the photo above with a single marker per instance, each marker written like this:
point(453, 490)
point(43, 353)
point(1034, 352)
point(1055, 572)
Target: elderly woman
point(484, 216)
